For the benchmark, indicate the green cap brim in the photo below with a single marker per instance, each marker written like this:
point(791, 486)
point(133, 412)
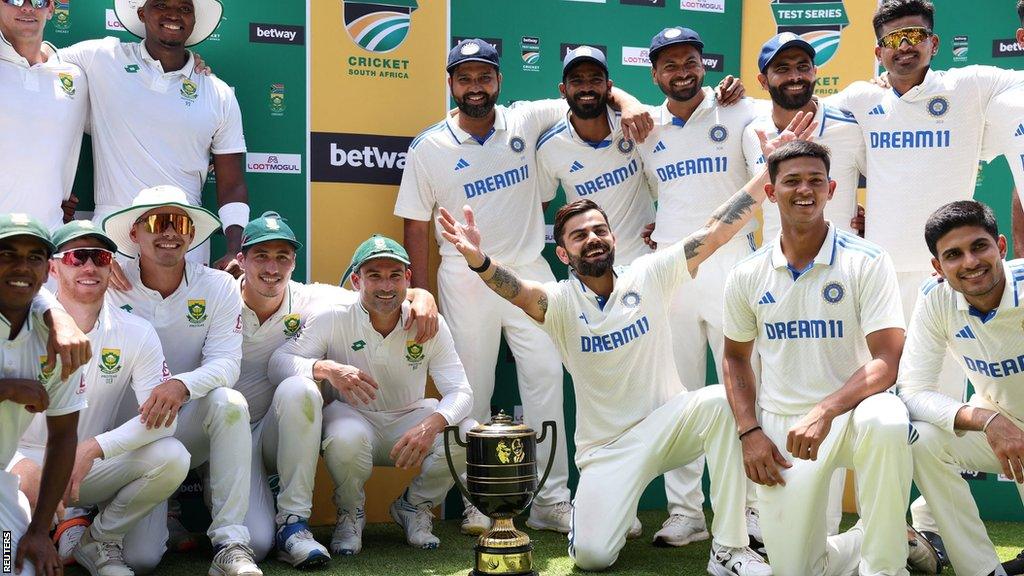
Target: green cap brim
point(46, 241)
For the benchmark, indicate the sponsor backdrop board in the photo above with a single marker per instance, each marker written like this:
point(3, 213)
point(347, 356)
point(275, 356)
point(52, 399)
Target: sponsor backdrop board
point(259, 50)
point(532, 36)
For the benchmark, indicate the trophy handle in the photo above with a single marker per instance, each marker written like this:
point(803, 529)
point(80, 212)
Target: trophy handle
point(448, 456)
point(548, 425)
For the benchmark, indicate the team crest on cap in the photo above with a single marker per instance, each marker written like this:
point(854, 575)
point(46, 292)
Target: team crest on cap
point(673, 33)
point(110, 361)
point(833, 292)
point(517, 144)
point(189, 91)
point(413, 353)
point(631, 299)
point(470, 49)
point(938, 106)
point(292, 326)
point(584, 51)
point(718, 133)
point(378, 25)
point(67, 83)
point(196, 312)
point(379, 244)
point(20, 219)
point(272, 224)
point(625, 146)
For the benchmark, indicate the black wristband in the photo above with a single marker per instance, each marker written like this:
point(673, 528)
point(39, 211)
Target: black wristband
point(483, 267)
point(748, 431)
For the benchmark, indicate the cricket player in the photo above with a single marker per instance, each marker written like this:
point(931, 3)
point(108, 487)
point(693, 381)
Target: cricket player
point(155, 121)
point(485, 155)
point(974, 312)
point(375, 373)
point(610, 322)
point(286, 438)
point(197, 315)
point(587, 153)
point(694, 158)
point(47, 97)
point(29, 385)
point(127, 469)
point(823, 307)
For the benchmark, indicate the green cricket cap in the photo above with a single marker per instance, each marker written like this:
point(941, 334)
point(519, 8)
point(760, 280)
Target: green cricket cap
point(82, 229)
point(269, 226)
point(376, 246)
point(18, 224)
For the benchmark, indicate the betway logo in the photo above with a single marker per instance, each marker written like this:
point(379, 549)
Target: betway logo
point(276, 33)
point(1006, 47)
point(271, 163)
point(358, 158)
point(112, 22)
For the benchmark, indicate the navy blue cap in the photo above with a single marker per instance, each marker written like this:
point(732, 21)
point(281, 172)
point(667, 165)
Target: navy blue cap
point(472, 50)
point(672, 36)
point(777, 44)
point(584, 54)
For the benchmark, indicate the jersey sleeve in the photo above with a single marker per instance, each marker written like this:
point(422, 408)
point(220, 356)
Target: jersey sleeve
point(449, 376)
point(752, 151)
point(66, 396)
point(992, 81)
point(543, 114)
point(229, 137)
point(83, 54)
point(879, 296)
point(739, 322)
point(416, 197)
point(555, 317)
point(918, 379)
point(547, 178)
point(222, 349)
point(668, 266)
point(297, 356)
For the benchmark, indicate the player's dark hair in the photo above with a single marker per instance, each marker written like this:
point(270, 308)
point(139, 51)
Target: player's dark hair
point(894, 9)
point(797, 149)
point(1020, 11)
point(957, 215)
point(573, 209)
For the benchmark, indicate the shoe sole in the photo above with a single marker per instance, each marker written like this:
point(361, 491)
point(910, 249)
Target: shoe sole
point(214, 571)
point(663, 542)
point(934, 565)
point(549, 527)
point(314, 561)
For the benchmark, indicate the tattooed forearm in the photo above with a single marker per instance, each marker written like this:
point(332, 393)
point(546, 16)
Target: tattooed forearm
point(694, 242)
point(542, 303)
point(504, 282)
point(737, 207)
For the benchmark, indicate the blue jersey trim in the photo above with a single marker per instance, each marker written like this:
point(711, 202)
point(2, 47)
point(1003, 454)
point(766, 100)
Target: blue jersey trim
point(557, 128)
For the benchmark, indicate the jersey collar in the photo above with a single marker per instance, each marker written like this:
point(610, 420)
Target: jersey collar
point(364, 317)
point(922, 89)
point(9, 54)
point(598, 301)
point(1011, 297)
point(283, 310)
point(5, 328)
point(185, 71)
point(826, 254)
point(614, 120)
point(462, 137)
point(668, 118)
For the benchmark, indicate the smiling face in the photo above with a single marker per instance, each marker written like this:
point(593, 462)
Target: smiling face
point(679, 71)
point(586, 88)
point(86, 283)
point(382, 284)
point(801, 189)
point(23, 267)
point(164, 248)
point(475, 87)
point(790, 78)
point(907, 60)
point(25, 22)
point(970, 259)
point(169, 22)
point(588, 244)
point(268, 266)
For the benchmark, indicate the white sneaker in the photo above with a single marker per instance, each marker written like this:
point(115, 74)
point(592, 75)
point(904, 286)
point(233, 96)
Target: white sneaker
point(636, 530)
point(736, 562)
point(296, 545)
point(754, 532)
point(555, 517)
point(678, 530)
point(474, 522)
point(347, 539)
point(234, 559)
point(67, 536)
point(101, 558)
point(921, 555)
point(418, 522)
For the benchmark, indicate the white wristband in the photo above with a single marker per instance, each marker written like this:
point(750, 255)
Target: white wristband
point(989, 421)
point(233, 214)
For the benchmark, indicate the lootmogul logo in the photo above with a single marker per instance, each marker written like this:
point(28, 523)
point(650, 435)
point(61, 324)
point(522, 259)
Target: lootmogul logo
point(378, 25)
point(819, 23)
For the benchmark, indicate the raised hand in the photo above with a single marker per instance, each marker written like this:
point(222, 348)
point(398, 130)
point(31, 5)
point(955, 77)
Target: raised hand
point(465, 237)
point(801, 127)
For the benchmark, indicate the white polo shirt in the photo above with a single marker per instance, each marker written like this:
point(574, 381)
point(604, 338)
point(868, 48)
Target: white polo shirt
point(24, 357)
point(497, 177)
point(1004, 133)
point(609, 172)
point(697, 164)
point(842, 135)
point(619, 350)
point(43, 117)
point(922, 151)
point(126, 355)
point(400, 366)
point(811, 330)
point(151, 126)
point(989, 348)
point(259, 341)
point(200, 324)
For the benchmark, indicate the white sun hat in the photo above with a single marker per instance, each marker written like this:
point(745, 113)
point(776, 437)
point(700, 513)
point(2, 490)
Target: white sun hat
point(208, 14)
point(119, 224)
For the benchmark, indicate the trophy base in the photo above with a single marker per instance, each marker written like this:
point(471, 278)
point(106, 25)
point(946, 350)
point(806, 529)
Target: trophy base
point(516, 561)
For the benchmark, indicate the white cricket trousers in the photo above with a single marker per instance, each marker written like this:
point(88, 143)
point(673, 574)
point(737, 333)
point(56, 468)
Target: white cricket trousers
point(613, 477)
point(354, 441)
point(14, 517)
point(939, 455)
point(285, 441)
point(478, 317)
point(874, 441)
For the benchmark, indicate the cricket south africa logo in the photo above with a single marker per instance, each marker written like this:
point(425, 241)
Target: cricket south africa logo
point(378, 25)
point(110, 361)
point(413, 353)
point(196, 312)
point(819, 23)
point(189, 91)
point(44, 374)
point(292, 325)
point(67, 83)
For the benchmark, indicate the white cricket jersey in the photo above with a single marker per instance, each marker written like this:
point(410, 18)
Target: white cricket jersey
point(696, 164)
point(259, 341)
point(23, 358)
point(150, 126)
point(43, 117)
point(126, 355)
point(842, 135)
point(199, 324)
point(447, 167)
point(400, 366)
point(1004, 133)
point(609, 172)
point(922, 149)
point(618, 350)
point(811, 330)
point(989, 347)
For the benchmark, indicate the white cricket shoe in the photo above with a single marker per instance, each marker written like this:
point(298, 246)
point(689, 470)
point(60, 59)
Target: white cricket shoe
point(736, 562)
point(678, 530)
point(474, 522)
point(417, 521)
point(67, 536)
point(555, 517)
point(921, 555)
point(754, 532)
point(234, 559)
point(347, 539)
point(101, 558)
point(636, 530)
point(296, 545)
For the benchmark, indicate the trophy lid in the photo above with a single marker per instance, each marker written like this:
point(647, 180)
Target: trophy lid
point(501, 425)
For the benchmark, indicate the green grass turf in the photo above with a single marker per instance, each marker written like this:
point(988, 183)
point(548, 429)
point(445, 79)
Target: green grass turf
point(385, 553)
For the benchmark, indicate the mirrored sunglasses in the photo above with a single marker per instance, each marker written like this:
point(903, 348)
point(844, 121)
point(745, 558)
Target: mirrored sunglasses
point(157, 223)
point(913, 35)
point(32, 3)
point(79, 256)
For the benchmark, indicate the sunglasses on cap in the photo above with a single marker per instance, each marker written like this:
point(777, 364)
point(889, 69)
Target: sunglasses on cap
point(79, 256)
point(913, 35)
point(157, 223)
point(32, 3)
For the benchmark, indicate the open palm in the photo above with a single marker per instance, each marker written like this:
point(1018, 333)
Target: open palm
point(465, 237)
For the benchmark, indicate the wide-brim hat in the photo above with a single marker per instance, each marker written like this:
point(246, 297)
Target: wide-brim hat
point(208, 14)
point(119, 224)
